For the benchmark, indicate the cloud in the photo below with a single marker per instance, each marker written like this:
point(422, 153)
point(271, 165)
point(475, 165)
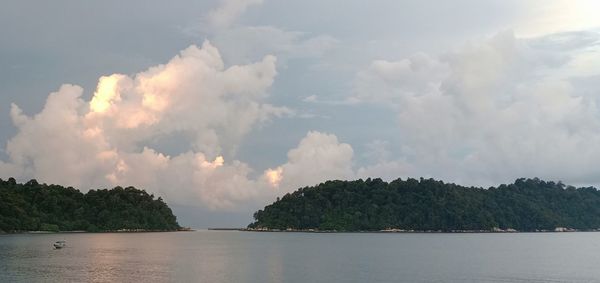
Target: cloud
point(228, 11)
point(315, 99)
point(242, 44)
point(492, 111)
point(311, 98)
point(103, 142)
point(317, 158)
point(194, 94)
point(321, 156)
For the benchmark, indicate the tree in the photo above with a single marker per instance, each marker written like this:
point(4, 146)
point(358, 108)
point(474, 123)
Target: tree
point(427, 204)
point(34, 206)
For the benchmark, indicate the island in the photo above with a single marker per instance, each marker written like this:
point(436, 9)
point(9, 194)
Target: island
point(39, 207)
point(427, 205)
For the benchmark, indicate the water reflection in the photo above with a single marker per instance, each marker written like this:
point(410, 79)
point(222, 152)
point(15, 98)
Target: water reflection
point(213, 256)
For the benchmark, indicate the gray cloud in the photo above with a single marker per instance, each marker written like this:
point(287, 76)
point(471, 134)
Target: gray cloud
point(228, 11)
point(490, 112)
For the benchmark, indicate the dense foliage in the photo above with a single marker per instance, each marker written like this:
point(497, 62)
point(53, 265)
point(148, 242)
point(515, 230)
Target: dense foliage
point(427, 204)
point(33, 206)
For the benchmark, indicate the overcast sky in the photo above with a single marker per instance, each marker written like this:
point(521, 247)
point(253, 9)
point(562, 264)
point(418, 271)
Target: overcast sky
point(221, 106)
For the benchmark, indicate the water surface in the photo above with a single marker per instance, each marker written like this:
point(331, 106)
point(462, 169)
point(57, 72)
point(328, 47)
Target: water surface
point(231, 256)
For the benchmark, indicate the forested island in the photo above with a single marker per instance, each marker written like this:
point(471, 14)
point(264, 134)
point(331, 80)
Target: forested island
point(40, 207)
point(434, 206)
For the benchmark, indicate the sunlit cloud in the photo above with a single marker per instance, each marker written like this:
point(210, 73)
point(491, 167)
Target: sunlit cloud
point(274, 176)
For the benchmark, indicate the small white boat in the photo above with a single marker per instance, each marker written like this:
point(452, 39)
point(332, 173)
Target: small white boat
point(59, 244)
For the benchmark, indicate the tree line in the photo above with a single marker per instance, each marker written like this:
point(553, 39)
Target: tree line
point(427, 204)
point(39, 207)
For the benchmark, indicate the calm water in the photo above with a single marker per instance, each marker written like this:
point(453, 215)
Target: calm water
point(223, 256)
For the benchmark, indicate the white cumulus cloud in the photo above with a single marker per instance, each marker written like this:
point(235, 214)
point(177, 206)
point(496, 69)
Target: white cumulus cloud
point(103, 142)
point(317, 158)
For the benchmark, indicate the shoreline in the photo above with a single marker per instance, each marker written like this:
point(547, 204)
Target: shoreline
point(400, 231)
point(390, 231)
point(96, 232)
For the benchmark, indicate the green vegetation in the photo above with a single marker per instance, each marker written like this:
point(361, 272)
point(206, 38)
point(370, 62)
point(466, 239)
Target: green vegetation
point(41, 207)
point(427, 204)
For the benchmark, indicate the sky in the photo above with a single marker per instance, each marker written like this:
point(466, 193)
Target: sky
point(222, 106)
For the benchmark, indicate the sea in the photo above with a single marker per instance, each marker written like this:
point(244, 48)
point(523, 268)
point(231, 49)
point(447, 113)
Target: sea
point(236, 256)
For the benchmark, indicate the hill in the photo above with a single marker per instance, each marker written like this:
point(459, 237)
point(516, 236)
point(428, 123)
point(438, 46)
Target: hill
point(430, 205)
point(40, 207)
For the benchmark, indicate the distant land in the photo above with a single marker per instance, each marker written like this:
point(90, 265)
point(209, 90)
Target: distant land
point(40, 207)
point(427, 205)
